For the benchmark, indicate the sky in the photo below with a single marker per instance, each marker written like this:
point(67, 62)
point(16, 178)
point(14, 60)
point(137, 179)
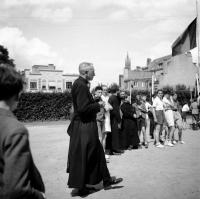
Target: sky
point(68, 32)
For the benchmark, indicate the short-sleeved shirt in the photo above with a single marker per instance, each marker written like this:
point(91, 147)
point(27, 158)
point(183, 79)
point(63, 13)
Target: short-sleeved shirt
point(185, 108)
point(194, 107)
point(158, 104)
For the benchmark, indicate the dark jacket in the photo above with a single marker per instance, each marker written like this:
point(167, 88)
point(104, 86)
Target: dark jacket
point(115, 112)
point(19, 177)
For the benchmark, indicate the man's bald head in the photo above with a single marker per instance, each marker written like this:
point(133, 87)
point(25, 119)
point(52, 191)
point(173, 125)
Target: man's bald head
point(86, 70)
point(84, 67)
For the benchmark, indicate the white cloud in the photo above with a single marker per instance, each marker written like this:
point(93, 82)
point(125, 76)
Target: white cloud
point(27, 52)
point(119, 15)
point(11, 3)
point(161, 49)
point(53, 15)
point(148, 9)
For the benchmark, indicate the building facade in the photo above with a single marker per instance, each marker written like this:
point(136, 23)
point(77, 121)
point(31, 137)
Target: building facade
point(163, 71)
point(138, 79)
point(45, 78)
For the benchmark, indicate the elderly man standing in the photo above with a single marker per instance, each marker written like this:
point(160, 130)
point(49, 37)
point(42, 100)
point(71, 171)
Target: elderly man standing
point(86, 158)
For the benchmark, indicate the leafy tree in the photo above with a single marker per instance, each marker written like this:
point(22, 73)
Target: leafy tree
point(181, 87)
point(4, 57)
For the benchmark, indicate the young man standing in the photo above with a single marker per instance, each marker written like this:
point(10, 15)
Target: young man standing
point(159, 118)
point(143, 121)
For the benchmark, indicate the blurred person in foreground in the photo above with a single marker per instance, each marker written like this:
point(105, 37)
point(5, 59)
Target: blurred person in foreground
point(86, 159)
point(19, 177)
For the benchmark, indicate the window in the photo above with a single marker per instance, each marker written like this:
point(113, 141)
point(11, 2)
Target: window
point(68, 85)
point(135, 84)
point(143, 84)
point(44, 87)
point(52, 85)
point(33, 85)
point(59, 85)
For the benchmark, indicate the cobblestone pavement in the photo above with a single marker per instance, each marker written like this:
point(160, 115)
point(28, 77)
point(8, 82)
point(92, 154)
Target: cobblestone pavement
point(168, 173)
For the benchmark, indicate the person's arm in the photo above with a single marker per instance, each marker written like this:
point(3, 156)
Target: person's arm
point(84, 105)
point(18, 167)
point(154, 110)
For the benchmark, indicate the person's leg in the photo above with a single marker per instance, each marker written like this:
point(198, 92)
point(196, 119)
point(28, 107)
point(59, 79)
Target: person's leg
point(180, 135)
point(99, 131)
point(144, 136)
point(157, 135)
point(104, 135)
point(139, 131)
point(171, 132)
point(152, 126)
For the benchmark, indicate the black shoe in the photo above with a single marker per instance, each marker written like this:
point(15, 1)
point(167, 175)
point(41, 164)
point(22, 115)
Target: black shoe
point(80, 192)
point(130, 147)
point(113, 181)
point(116, 152)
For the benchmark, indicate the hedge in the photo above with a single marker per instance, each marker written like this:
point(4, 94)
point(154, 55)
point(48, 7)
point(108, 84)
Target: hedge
point(44, 106)
point(57, 106)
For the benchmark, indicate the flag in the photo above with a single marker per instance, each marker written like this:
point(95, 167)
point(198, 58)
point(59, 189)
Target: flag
point(186, 41)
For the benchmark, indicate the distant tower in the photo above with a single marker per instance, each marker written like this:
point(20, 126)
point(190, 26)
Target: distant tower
point(127, 67)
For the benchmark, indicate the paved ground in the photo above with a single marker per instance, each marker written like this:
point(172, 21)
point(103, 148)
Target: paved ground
point(169, 173)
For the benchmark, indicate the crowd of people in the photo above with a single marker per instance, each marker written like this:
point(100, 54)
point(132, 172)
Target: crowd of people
point(125, 124)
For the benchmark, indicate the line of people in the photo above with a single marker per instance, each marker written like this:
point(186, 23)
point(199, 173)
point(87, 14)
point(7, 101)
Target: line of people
point(125, 125)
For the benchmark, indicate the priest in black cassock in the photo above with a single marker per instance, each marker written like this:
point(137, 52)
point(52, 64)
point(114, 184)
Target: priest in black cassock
point(86, 158)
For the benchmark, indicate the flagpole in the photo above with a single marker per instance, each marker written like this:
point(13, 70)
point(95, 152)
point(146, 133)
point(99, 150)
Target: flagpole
point(130, 90)
point(197, 36)
point(152, 83)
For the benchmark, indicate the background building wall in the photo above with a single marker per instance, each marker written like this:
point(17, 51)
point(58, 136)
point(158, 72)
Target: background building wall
point(180, 70)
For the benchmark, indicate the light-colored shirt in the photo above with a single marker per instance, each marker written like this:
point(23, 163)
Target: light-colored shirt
point(168, 104)
point(194, 108)
point(158, 104)
point(185, 108)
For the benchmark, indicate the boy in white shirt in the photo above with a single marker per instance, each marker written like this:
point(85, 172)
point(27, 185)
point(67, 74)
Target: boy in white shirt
point(159, 118)
point(185, 110)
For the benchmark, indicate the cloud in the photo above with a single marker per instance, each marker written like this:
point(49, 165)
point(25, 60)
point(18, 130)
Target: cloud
point(45, 10)
point(53, 15)
point(119, 15)
point(11, 3)
point(27, 52)
point(147, 10)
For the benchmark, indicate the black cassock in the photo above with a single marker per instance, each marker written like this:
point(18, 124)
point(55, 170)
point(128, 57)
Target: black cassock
point(86, 158)
point(115, 119)
point(129, 134)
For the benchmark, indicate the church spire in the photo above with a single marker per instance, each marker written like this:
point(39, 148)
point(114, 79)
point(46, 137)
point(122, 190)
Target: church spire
point(128, 62)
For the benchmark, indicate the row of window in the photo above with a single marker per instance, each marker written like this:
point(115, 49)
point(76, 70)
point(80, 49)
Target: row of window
point(34, 86)
point(143, 84)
